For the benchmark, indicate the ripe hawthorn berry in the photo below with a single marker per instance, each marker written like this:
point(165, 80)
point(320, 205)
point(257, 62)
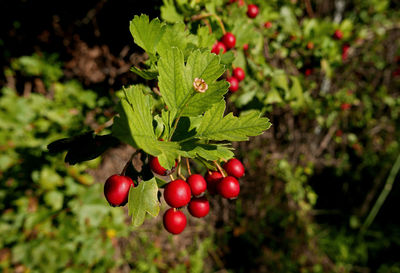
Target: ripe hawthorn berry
point(199, 207)
point(234, 168)
point(268, 24)
point(157, 168)
point(174, 221)
point(116, 189)
point(338, 35)
point(233, 84)
point(345, 52)
point(213, 179)
point(345, 106)
point(177, 193)
point(239, 74)
point(246, 47)
point(310, 45)
point(308, 71)
point(197, 184)
point(252, 11)
point(229, 187)
point(229, 40)
point(217, 47)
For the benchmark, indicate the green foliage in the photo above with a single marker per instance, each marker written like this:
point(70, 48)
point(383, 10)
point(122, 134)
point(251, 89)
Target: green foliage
point(192, 124)
point(142, 200)
point(52, 220)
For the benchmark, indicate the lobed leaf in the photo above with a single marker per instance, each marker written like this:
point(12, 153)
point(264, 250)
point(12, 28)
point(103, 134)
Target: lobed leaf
point(143, 199)
point(215, 126)
point(146, 34)
point(135, 127)
point(176, 81)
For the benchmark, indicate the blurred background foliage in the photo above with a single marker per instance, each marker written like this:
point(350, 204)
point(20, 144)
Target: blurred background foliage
point(313, 198)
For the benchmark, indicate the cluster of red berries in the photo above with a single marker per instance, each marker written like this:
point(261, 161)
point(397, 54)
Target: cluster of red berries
point(238, 75)
point(227, 42)
point(179, 193)
point(191, 193)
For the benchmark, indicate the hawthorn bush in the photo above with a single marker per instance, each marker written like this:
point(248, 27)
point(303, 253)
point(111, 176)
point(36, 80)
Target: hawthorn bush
point(319, 192)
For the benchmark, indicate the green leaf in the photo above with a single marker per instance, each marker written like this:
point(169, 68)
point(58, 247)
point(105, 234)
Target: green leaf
point(54, 199)
point(135, 127)
point(169, 13)
point(146, 34)
point(176, 81)
point(145, 74)
point(209, 152)
point(273, 97)
point(279, 79)
point(243, 32)
point(215, 126)
point(205, 39)
point(142, 200)
point(175, 36)
point(227, 58)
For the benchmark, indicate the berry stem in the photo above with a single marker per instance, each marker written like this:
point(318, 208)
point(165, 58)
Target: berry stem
point(219, 168)
point(188, 166)
point(129, 162)
point(208, 25)
point(171, 177)
point(309, 8)
point(179, 171)
point(205, 15)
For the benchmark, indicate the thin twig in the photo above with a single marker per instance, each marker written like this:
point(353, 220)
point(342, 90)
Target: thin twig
point(188, 166)
point(219, 168)
point(325, 141)
point(309, 8)
point(205, 15)
point(179, 172)
point(382, 197)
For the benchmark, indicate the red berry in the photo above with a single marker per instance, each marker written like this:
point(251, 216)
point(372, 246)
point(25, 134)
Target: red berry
point(339, 133)
point(217, 47)
point(252, 11)
point(157, 168)
point(241, 3)
point(310, 45)
point(345, 52)
point(233, 84)
point(116, 189)
point(338, 35)
point(308, 71)
point(268, 24)
point(232, 1)
point(213, 179)
point(174, 221)
point(199, 207)
point(229, 40)
point(177, 193)
point(246, 47)
point(345, 106)
point(229, 187)
point(238, 73)
point(234, 168)
point(197, 184)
